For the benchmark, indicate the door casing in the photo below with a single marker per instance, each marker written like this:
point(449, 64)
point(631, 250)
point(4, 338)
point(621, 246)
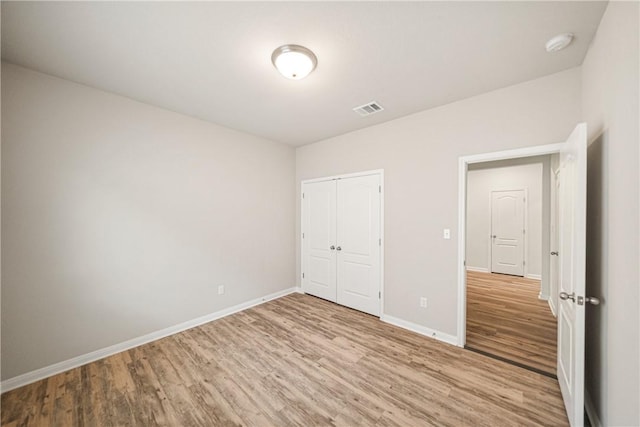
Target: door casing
point(463, 166)
point(380, 173)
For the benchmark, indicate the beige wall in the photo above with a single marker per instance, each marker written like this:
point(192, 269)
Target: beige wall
point(610, 106)
point(120, 219)
point(419, 154)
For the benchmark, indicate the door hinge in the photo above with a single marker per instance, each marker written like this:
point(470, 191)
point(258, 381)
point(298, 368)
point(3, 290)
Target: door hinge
point(303, 195)
point(379, 242)
point(464, 262)
point(303, 275)
point(523, 231)
point(303, 235)
point(379, 294)
point(523, 263)
point(379, 188)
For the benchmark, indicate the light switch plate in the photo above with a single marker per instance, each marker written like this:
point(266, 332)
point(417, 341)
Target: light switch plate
point(447, 233)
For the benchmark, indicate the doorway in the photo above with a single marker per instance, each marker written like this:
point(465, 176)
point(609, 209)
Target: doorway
point(508, 316)
point(571, 226)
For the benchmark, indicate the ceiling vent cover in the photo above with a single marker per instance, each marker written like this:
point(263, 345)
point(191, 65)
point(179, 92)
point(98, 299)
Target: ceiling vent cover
point(368, 109)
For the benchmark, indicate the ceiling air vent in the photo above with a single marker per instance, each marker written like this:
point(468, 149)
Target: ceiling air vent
point(368, 109)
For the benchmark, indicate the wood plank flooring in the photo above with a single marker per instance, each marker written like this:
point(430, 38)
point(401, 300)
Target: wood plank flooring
point(298, 360)
point(506, 318)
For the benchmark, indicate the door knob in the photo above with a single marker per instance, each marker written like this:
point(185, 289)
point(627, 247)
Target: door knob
point(554, 253)
point(494, 236)
point(592, 300)
point(338, 248)
point(565, 296)
point(332, 247)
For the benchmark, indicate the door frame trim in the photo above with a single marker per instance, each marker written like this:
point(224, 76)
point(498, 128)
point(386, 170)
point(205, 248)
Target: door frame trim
point(525, 235)
point(463, 165)
point(379, 172)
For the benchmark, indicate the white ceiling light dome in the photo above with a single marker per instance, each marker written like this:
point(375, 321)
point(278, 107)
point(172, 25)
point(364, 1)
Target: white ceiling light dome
point(294, 61)
point(559, 42)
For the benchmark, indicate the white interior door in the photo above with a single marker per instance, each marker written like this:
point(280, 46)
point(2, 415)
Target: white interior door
point(319, 228)
point(358, 243)
point(507, 232)
point(572, 252)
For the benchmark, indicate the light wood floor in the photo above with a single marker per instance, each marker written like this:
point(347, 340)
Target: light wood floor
point(506, 318)
point(297, 360)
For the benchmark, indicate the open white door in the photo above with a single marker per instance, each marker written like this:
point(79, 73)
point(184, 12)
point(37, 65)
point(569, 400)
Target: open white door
point(571, 287)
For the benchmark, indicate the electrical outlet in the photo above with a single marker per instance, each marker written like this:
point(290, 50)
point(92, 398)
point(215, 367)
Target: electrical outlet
point(446, 234)
point(220, 289)
point(423, 302)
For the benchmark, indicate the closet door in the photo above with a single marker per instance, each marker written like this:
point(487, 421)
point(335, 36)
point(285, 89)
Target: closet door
point(319, 228)
point(358, 243)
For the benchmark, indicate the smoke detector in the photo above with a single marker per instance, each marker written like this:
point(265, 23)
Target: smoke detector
point(559, 42)
point(368, 109)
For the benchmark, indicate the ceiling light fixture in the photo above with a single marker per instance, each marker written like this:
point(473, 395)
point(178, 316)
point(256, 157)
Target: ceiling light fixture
point(559, 42)
point(294, 61)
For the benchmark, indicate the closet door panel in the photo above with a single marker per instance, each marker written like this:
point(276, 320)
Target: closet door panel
point(319, 228)
point(358, 234)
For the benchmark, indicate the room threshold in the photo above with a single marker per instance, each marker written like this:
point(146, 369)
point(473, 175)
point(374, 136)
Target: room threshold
point(512, 362)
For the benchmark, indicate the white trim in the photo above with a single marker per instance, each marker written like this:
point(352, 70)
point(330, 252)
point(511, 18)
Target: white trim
point(533, 276)
point(543, 297)
point(478, 269)
point(379, 172)
point(463, 163)
point(462, 273)
point(343, 176)
point(551, 306)
point(419, 329)
point(590, 409)
point(83, 359)
point(382, 241)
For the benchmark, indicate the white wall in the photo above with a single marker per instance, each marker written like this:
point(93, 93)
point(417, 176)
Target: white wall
point(482, 179)
point(120, 219)
point(419, 154)
point(610, 87)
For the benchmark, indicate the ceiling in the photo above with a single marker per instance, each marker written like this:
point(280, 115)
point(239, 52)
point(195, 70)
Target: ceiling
point(212, 60)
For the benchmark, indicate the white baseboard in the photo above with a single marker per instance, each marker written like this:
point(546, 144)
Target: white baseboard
point(591, 410)
point(534, 276)
point(77, 361)
point(543, 297)
point(553, 309)
point(478, 269)
point(422, 330)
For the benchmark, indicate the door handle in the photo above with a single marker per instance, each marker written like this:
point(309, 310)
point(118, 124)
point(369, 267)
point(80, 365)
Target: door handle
point(565, 296)
point(581, 300)
point(494, 236)
point(338, 248)
point(332, 247)
point(554, 253)
point(592, 300)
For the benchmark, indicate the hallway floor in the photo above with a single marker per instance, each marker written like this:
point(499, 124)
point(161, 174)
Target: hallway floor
point(506, 319)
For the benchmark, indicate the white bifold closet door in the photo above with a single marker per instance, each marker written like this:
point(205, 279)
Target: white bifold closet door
point(342, 241)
